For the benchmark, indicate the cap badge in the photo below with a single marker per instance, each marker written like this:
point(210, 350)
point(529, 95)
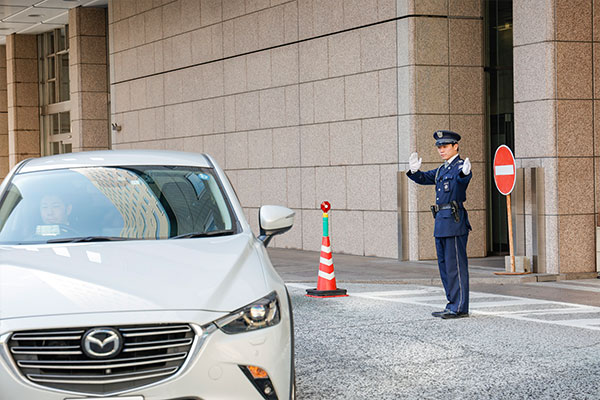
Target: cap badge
point(440, 134)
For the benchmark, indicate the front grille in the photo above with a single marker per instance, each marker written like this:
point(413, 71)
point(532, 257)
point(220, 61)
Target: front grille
point(55, 358)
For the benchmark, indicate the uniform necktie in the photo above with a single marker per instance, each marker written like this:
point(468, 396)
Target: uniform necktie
point(446, 163)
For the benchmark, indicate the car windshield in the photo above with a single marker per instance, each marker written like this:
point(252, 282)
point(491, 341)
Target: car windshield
point(114, 203)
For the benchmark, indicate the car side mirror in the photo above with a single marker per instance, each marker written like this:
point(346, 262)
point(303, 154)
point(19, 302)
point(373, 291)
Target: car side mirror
point(274, 220)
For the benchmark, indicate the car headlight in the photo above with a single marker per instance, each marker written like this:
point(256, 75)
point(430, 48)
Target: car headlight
point(259, 314)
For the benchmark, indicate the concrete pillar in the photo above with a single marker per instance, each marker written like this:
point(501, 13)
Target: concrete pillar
point(441, 86)
point(3, 116)
point(22, 88)
point(555, 105)
point(88, 78)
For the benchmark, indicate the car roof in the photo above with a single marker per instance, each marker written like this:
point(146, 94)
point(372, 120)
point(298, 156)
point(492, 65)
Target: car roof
point(116, 158)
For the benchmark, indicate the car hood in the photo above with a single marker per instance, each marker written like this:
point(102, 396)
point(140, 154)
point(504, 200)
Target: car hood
point(212, 274)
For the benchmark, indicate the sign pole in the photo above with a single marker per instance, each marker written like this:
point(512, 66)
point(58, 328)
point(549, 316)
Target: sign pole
point(510, 234)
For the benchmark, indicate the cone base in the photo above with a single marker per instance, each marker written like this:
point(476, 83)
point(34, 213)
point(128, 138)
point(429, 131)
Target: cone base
point(326, 293)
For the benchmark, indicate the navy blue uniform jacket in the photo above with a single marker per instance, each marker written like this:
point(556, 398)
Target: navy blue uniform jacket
point(450, 185)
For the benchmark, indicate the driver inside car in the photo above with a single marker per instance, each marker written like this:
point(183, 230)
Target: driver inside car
point(55, 214)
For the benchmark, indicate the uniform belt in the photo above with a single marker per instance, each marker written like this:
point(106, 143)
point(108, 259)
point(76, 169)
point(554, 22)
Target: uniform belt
point(445, 206)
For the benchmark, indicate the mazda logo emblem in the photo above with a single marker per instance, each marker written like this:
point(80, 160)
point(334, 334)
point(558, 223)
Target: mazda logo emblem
point(102, 343)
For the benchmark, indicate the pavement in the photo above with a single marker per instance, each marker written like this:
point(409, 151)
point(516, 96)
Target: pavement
point(300, 266)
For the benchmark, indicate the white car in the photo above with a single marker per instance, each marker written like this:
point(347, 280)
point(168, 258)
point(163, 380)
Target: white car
point(134, 275)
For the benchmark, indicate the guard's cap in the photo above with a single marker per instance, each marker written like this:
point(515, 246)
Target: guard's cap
point(445, 137)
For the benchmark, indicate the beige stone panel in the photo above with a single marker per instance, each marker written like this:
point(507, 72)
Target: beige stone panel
point(190, 15)
point(534, 72)
point(121, 36)
point(389, 187)
point(193, 144)
point(292, 239)
point(574, 77)
point(313, 60)
point(344, 53)
point(305, 18)
point(247, 111)
point(294, 187)
point(550, 168)
point(172, 19)
point(272, 108)
point(136, 30)
point(3, 130)
point(24, 142)
point(153, 29)
point(94, 133)
point(129, 67)
point(346, 143)
point(596, 128)
point(233, 9)
point(388, 92)
point(535, 129)
point(477, 243)
point(159, 56)
point(273, 186)
point(284, 65)
point(362, 95)
point(228, 38)
point(210, 12)
point(307, 103)
point(378, 47)
point(248, 187)
point(245, 31)
point(328, 16)
point(347, 232)
point(309, 187)
point(575, 128)
point(465, 8)
point(229, 111)
point(286, 147)
point(466, 90)
point(260, 149)
point(596, 183)
point(431, 41)
point(386, 9)
point(213, 80)
point(155, 91)
point(329, 100)
point(577, 232)
point(406, 45)
point(93, 78)
point(271, 28)
point(191, 84)
point(147, 124)
point(173, 87)
point(407, 100)
point(431, 89)
point(130, 127)
point(533, 22)
point(202, 46)
point(363, 185)
point(145, 60)
point(258, 67)
point(466, 42)
point(27, 118)
point(215, 146)
point(314, 145)
point(235, 75)
point(120, 95)
point(236, 150)
point(359, 13)
point(424, 238)
point(182, 50)
point(476, 191)
point(22, 71)
point(93, 50)
point(292, 106)
point(257, 5)
point(575, 185)
point(381, 234)
point(573, 20)
point(312, 232)
point(218, 109)
point(26, 94)
point(470, 128)
point(203, 117)
point(290, 22)
point(380, 140)
point(425, 126)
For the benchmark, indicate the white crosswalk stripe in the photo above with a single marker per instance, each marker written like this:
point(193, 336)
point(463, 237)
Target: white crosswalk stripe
point(513, 307)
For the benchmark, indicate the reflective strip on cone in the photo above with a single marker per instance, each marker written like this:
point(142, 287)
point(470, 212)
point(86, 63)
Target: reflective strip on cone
point(325, 275)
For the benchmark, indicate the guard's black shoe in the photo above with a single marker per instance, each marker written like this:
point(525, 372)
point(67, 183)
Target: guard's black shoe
point(451, 315)
point(438, 313)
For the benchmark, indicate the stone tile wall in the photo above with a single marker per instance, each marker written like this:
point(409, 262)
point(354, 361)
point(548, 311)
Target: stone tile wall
point(555, 123)
point(22, 95)
point(441, 86)
point(88, 79)
point(4, 165)
point(296, 100)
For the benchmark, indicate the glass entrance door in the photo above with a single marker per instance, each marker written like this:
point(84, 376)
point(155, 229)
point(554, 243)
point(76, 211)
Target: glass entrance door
point(500, 110)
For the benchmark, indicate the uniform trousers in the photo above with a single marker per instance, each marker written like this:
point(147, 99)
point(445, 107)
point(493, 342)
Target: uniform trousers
point(454, 272)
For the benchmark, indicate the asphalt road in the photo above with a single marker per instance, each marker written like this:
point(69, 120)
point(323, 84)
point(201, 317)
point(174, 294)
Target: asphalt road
point(382, 343)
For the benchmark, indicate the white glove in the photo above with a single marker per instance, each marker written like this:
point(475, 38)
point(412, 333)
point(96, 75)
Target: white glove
point(466, 169)
point(414, 162)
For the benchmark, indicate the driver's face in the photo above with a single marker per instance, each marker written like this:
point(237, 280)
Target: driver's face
point(54, 210)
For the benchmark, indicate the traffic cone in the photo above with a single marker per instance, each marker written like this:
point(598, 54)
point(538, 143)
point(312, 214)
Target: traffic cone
point(326, 286)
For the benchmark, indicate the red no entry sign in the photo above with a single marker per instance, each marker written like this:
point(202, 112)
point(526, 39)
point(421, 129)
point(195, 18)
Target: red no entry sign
point(504, 170)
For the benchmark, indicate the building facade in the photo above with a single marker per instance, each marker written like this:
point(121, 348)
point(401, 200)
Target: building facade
point(303, 101)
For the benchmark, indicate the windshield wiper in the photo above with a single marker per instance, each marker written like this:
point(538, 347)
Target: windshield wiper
point(87, 239)
point(204, 234)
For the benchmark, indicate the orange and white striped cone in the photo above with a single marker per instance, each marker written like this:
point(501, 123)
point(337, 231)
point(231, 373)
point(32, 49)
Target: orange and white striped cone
point(326, 286)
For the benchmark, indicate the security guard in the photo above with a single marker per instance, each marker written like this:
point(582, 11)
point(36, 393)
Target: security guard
point(452, 225)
